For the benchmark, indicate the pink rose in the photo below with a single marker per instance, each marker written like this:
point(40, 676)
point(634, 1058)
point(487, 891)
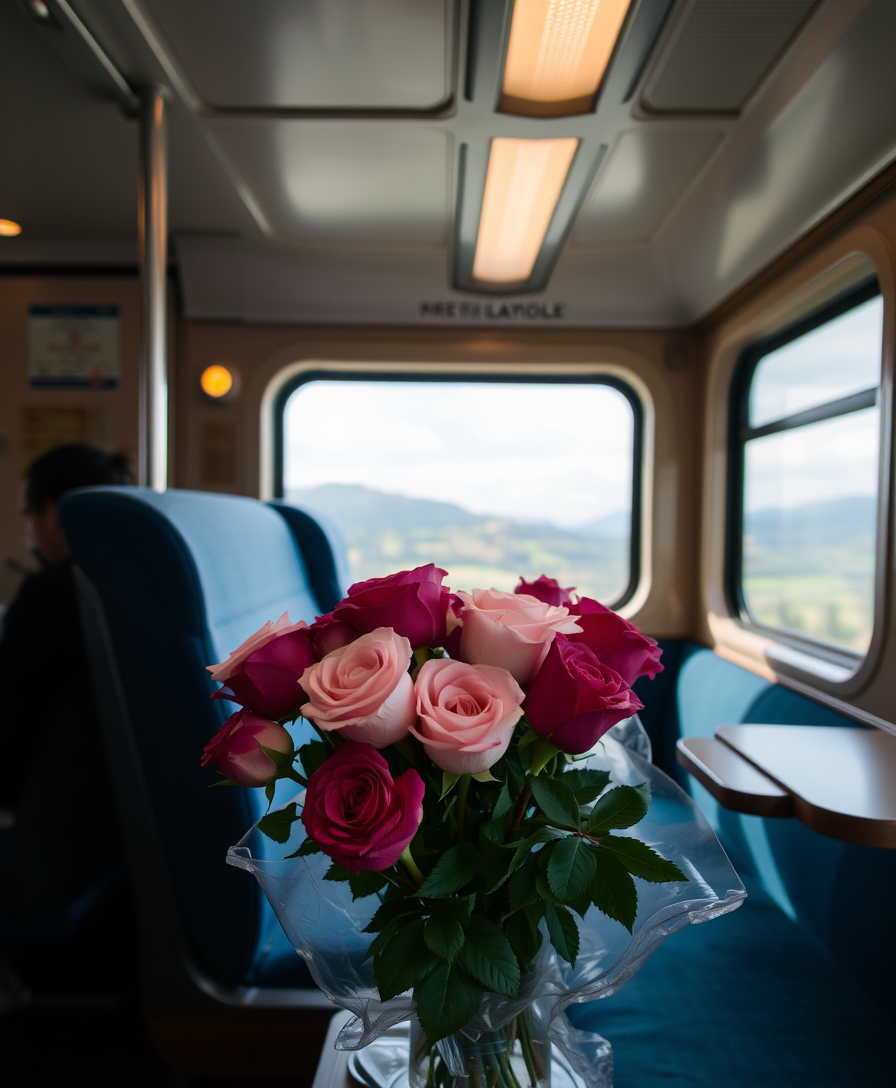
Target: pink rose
point(263, 674)
point(510, 630)
point(575, 699)
point(357, 814)
point(364, 689)
point(413, 602)
point(467, 714)
point(328, 634)
point(547, 590)
point(616, 642)
point(236, 750)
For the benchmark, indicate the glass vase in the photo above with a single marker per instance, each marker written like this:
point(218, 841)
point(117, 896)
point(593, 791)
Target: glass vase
point(516, 1055)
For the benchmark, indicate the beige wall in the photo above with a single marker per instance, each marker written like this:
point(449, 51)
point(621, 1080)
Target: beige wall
point(260, 353)
point(110, 416)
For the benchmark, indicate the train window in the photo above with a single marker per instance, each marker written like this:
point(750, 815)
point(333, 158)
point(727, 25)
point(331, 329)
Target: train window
point(805, 466)
point(489, 478)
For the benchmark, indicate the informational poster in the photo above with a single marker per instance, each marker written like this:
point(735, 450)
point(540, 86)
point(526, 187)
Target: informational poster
point(74, 347)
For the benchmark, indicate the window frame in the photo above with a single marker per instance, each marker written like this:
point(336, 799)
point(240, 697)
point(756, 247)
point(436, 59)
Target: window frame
point(430, 375)
point(740, 431)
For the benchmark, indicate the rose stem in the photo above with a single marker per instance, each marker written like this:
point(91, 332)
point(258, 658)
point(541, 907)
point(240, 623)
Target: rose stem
point(411, 866)
point(296, 777)
point(522, 804)
point(462, 788)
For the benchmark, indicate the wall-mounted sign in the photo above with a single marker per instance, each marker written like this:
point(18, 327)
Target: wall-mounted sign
point(77, 347)
point(493, 311)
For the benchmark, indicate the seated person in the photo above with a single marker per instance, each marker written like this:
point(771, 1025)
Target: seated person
point(52, 768)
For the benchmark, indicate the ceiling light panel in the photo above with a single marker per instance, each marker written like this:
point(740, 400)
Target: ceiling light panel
point(309, 54)
point(522, 187)
point(557, 54)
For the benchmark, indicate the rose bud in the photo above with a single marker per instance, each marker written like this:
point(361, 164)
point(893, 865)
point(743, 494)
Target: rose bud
point(616, 642)
point(575, 699)
point(547, 590)
point(364, 689)
point(237, 753)
point(512, 631)
point(328, 634)
point(357, 814)
point(414, 603)
point(467, 714)
point(263, 674)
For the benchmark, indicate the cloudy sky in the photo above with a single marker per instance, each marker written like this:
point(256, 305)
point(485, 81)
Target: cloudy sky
point(538, 452)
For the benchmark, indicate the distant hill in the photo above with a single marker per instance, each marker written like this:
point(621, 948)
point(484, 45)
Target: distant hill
point(387, 532)
point(840, 523)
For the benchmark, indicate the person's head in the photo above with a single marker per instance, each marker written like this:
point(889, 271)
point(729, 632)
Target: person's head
point(49, 477)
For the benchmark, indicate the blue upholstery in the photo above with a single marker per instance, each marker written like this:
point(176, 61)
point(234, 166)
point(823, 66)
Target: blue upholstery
point(184, 578)
point(796, 987)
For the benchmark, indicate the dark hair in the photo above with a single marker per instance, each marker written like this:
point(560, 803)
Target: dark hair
point(65, 468)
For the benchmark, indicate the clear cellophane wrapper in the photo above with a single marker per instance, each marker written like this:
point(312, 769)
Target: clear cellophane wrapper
point(325, 926)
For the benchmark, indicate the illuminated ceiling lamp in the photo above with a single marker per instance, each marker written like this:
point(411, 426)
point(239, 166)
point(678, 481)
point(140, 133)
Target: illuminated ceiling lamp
point(557, 55)
point(522, 187)
point(9, 229)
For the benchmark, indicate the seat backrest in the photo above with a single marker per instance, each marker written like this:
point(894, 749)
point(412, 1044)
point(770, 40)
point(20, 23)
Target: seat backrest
point(182, 578)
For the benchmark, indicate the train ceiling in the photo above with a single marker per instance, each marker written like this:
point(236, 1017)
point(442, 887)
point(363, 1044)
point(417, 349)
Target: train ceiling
point(328, 158)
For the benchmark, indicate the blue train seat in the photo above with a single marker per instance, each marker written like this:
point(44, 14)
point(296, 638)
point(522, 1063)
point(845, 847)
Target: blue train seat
point(169, 583)
point(795, 987)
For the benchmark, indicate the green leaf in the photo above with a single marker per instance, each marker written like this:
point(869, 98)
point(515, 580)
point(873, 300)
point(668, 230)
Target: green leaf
point(449, 781)
point(489, 957)
point(404, 962)
point(380, 941)
point(542, 885)
point(557, 801)
point(313, 755)
point(563, 931)
point(308, 847)
point(446, 999)
point(282, 760)
point(619, 807)
point(504, 803)
point(642, 860)
point(458, 907)
point(269, 791)
point(586, 784)
point(454, 869)
point(613, 891)
point(443, 936)
point(484, 776)
point(544, 834)
point(391, 911)
point(524, 937)
point(366, 883)
point(581, 904)
point(336, 872)
point(493, 830)
point(521, 891)
point(570, 869)
point(277, 825)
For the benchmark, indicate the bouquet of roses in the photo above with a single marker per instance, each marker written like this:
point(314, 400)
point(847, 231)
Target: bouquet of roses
point(446, 777)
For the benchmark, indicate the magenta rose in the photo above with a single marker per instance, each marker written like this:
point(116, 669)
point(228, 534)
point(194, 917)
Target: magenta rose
point(237, 749)
point(512, 631)
point(357, 814)
point(364, 689)
point(263, 674)
point(575, 699)
point(413, 602)
point(616, 642)
point(328, 634)
point(547, 590)
point(467, 714)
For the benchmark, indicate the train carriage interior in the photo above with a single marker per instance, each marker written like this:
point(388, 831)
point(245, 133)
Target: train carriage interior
point(598, 289)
